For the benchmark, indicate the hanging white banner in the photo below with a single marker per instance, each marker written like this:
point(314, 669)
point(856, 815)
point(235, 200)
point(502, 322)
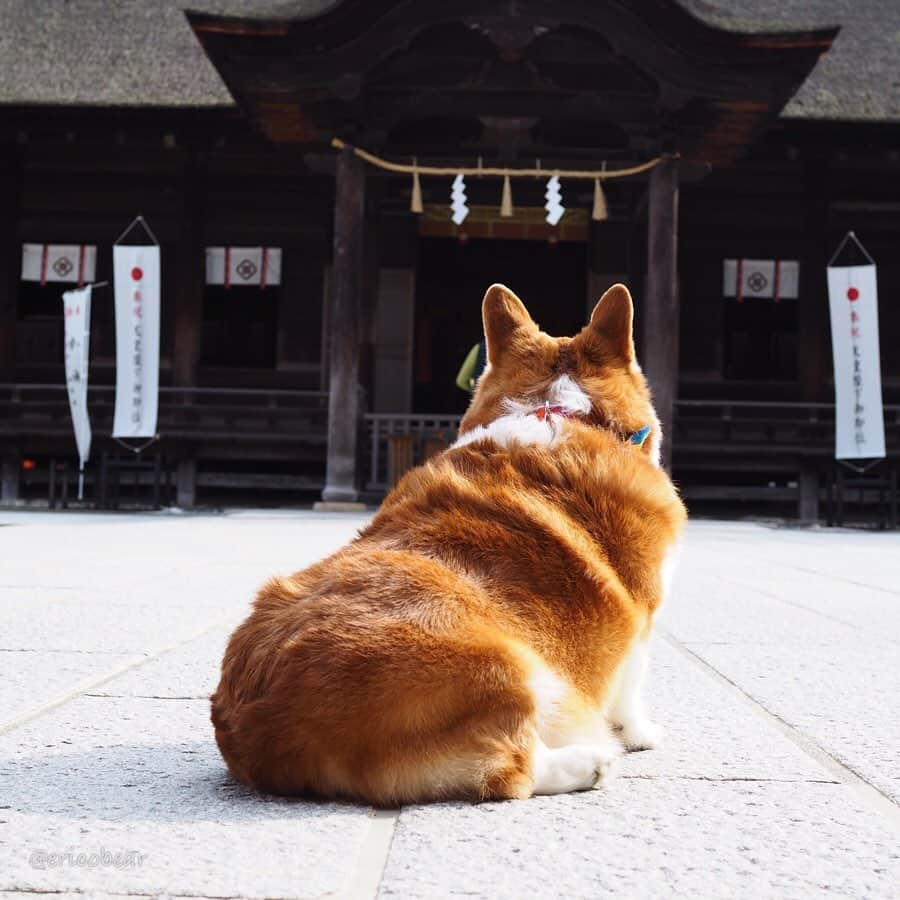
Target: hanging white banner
point(59, 262)
point(136, 276)
point(859, 415)
point(237, 266)
point(77, 318)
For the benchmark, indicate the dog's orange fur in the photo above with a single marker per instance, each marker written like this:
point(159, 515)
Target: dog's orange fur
point(401, 668)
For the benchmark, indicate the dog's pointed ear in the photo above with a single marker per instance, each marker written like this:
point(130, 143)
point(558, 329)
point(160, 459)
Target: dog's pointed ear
point(506, 321)
point(613, 319)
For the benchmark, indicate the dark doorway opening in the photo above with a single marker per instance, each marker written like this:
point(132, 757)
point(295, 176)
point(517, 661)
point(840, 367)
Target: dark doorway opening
point(760, 340)
point(451, 278)
point(240, 327)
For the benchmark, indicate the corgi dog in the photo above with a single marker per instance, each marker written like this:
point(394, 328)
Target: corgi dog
point(485, 637)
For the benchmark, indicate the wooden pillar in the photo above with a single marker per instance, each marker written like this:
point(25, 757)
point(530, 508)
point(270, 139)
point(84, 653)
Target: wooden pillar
point(660, 307)
point(368, 299)
point(10, 264)
point(808, 504)
point(813, 321)
point(190, 260)
point(345, 326)
point(10, 259)
point(186, 483)
point(9, 477)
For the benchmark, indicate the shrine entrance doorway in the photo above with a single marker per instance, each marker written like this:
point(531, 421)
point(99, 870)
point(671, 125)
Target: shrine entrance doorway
point(451, 278)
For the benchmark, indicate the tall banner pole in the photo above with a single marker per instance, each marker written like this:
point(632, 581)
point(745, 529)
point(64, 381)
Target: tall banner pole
point(77, 319)
point(136, 275)
point(853, 303)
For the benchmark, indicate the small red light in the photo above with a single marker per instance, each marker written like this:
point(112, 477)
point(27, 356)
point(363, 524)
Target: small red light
point(28, 464)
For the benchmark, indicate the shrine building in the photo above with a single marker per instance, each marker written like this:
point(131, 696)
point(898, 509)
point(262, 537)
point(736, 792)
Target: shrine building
point(315, 313)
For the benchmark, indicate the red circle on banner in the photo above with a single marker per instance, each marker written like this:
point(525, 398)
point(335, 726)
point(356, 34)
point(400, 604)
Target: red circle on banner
point(852, 294)
point(137, 274)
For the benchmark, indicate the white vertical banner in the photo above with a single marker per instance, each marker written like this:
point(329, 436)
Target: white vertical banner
point(77, 318)
point(136, 277)
point(859, 415)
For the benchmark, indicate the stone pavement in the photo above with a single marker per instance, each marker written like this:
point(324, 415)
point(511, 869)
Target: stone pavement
point(775, 674)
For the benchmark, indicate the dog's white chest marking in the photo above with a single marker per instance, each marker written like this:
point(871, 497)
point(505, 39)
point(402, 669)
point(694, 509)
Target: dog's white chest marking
point(567, 393)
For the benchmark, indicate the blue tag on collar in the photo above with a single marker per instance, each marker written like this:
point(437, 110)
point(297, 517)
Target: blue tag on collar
point(638, 437)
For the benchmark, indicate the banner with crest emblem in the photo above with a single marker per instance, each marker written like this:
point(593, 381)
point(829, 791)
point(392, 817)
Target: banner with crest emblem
point(243, 266)
point(73, 263)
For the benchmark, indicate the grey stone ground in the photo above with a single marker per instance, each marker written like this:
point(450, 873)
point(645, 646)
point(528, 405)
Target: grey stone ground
point(775, 674)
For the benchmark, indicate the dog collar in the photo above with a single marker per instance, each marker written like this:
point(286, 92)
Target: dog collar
point(543, 413)
point(638, 437)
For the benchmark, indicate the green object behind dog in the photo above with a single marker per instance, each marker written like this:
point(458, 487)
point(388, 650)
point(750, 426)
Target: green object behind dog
point(471, 369)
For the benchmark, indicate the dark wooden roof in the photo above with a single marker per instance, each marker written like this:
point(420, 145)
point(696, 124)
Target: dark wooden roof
point(572, 78)
point(857, 80)
point(145, 54)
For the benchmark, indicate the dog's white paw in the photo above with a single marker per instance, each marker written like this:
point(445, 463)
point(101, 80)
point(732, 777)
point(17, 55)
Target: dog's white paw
point(577, 767)
point(641, 734)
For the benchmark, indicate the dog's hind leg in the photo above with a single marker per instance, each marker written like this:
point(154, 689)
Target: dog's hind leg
point(626, 707)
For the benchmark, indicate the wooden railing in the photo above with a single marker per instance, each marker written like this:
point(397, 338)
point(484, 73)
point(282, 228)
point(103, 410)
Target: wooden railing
point(765, 427)
point(194, 413)
point(703, 430)
point(399, 440)
point(738, 440)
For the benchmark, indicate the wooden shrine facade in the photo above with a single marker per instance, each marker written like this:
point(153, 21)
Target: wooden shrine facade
point(505, 80)
point(376, 304)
